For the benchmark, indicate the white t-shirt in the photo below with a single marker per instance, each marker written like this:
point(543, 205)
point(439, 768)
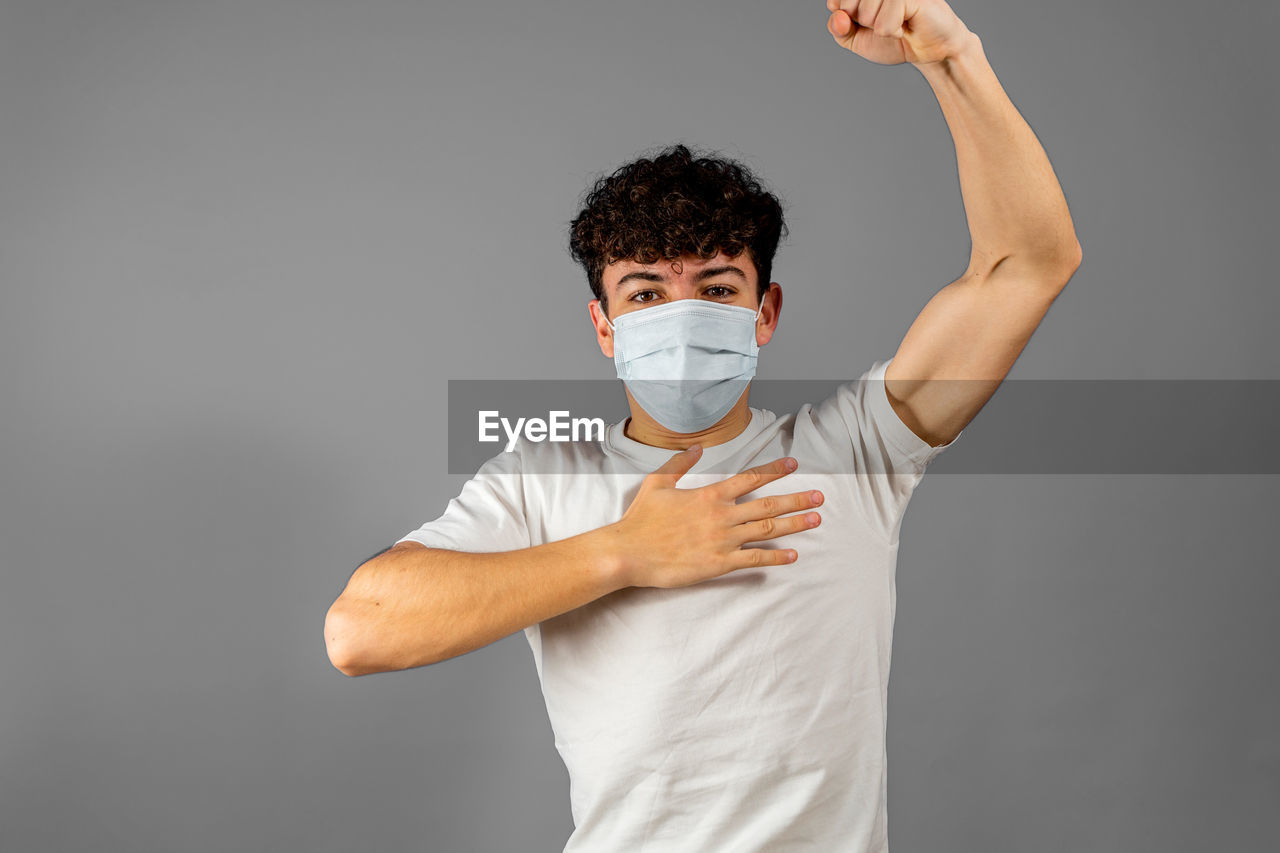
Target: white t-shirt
point(744, 713)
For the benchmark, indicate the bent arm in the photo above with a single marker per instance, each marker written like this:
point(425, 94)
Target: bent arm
point(1024, 251)
point(1012, 199)
point(412, 606)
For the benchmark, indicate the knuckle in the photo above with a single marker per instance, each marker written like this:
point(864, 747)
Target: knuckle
point(769, 505)
point(768, 527)
point(727, 545)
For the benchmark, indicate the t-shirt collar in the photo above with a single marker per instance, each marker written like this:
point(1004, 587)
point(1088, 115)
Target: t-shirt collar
point(647, 457)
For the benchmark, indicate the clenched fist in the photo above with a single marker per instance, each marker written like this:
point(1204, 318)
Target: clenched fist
point(890, 32)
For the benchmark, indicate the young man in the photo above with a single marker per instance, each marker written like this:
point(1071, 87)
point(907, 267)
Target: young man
point(712, 627)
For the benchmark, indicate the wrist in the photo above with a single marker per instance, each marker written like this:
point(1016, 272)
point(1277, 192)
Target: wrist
point(964, 48)
point(608, 558)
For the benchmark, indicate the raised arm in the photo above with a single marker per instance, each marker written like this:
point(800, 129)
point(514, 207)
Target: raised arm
point(1024, 246)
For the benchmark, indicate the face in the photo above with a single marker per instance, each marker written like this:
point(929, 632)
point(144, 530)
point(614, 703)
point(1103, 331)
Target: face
point(632, 286)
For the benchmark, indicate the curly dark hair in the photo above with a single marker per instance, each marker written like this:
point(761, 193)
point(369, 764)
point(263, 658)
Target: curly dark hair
point(670, 204)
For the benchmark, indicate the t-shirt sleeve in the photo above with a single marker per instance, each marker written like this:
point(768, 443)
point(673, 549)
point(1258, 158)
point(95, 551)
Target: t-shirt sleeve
point(487, 516)
point(887, 460)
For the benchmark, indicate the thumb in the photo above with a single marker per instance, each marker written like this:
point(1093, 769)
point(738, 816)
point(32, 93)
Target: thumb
point(842, 26)
point(670, 472)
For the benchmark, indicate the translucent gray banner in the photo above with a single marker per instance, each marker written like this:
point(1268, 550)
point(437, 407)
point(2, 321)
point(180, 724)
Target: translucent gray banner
point(1056, 426)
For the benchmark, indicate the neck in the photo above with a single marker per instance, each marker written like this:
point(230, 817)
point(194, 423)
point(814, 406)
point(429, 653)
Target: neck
point(644, 429)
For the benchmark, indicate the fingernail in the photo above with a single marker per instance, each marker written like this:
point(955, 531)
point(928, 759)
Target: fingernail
point(815, 497)
point(695, 448)
point(813, 518)
point(790, 465)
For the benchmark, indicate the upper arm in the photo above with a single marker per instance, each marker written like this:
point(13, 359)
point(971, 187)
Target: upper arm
point(379, 554)
point(972, 330)
point(856, 431)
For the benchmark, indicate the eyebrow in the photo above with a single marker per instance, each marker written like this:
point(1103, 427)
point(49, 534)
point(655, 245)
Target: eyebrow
point(709, 272)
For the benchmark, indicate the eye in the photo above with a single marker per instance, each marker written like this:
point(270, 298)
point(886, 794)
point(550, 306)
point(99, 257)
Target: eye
point(719, 291)
point(643, 296)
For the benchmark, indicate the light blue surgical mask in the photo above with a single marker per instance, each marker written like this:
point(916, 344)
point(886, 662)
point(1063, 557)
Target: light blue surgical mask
point(686, 362)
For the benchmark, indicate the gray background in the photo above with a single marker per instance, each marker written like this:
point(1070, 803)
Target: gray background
point(244, 245)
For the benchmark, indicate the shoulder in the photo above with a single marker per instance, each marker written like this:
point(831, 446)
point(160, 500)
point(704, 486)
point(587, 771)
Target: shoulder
point(858, 417)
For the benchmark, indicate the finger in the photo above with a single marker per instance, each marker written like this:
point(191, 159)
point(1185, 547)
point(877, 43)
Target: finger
point(889, 19)
point(670, 472)
point(842, 27)
point(753, 558)
point(753, 478)
point(776, 505)
point(866, 13)
point(772, 528)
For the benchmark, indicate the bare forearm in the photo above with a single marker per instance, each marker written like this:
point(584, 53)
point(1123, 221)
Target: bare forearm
point(1012, 198)
point(414, 606)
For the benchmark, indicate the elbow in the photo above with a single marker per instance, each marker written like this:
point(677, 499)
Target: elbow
point(359, 645)
point(339, 642)
point(1050, 268)
point(1057, 268)
point(1073, 256)
point(1052, 264)
point(1068, 263)
point(1066, 260)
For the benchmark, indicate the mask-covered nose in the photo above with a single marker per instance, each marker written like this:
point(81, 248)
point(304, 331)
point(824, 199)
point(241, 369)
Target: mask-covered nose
point(686, 362)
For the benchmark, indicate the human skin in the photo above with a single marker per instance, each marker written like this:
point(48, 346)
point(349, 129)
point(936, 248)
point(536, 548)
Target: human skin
point(1023, 243)
point(632, 286)
point(411, 606)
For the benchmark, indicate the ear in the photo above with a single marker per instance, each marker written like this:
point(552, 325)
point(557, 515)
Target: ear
point(770, 311)
point(604, 335)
